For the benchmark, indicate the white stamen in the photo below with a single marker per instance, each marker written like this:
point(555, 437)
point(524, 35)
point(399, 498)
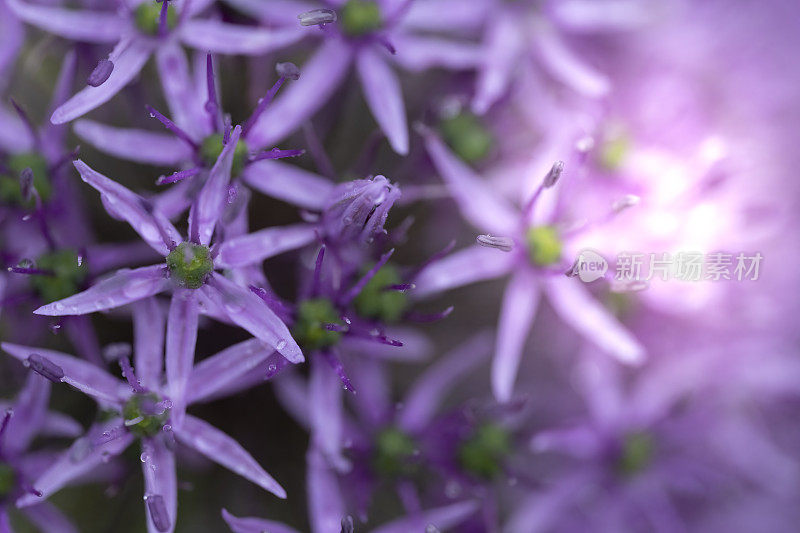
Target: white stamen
point(317, 17)
point(505, 244)
point(629, 200)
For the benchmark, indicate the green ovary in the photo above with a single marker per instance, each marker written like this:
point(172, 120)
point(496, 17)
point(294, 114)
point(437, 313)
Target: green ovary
point(614, 152)
point(148, 17)
point(9, 185)
point(360, 17)
point(212, 147)
point(544, 245)
point(376, 302)
point(8, 480)
point(68, 272)
point(467, 136)
point(310, 331)
point(637, 453)
point(146, 425)
point(190, 264)
point(394, 450)
point(482, 454)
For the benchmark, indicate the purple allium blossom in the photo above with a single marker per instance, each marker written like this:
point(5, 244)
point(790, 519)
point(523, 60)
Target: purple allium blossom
point(20, 422)
point(140, 28)
point(535, 237)
point(189, 267)
point(151, 407)
point(365, 32)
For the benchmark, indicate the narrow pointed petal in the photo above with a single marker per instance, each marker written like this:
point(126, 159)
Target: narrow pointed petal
point(253, 248)
point(219, 371)
point(324, 494)
point(446, 15)
point(418, 53)
point(30, 410)
point(251, 313)
point(120, 288)
point(132, 208)
point(234, 39)
point(225, 451)
point(181, 341)
point(503, 48)
point(325, 400)
point(441, 518)
point(211, 201)
point(160, 479)
point(587, 316)
point(77, 25)
point(292, 393)
point(84, 376)
point(476, 198)
point(139, 146)
point(81, 458)
point(424, 399)
point(148, 342)
point(12, 36)
point(281, 12)
point(320, 76)
point(254, 525)
point(14, 135)
point(384, 97)
point(520, 301)
point(289, 183)
point(567, 67)
point(58, 425)
point(185, 104)
point(48, 518)
point(127, 65)
point(464, 267)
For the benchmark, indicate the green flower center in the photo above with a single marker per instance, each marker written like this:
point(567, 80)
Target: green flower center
point(636, 455)
point(148, 17)
point(189, 264)
point(9, 185)
point(394, 451)
point(483, 453)
point(212, 146)
point(544, 245)
point(467, 136)
point(310, 331)
point(360, 17)
point(68, 272)
point(614, 151)
point(143, 416)
point(8, 480)
point(376, 302)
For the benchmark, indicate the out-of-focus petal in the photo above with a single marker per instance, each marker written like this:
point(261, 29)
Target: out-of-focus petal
point(122, 287)
point(251, 313)
point(520, 301)
point(503, 46)
point(11, 37)
point(14, 136)
point(77, 25)
point(127, 64)
point(181, 341)
point(418, 53)
point(292, 393)
point(464, 267)
point(478, 202)
point(325, 401)
point(609, 15)
point(58, 425)
point(222, 449)
point(581, 442)
point(234, 39)
point(30, 409)
point(384, 97)
point(185, 107)
point(254, 247)
point(254, 525)
point(417, 346)
point(425, 396)
point(289, 183)
point(580, 310)
point(139, 146)
point(160, 479)
point(132, 208)
point(48, 518)
point(445, 15)
point(282, 12)
point(324, 494)
point(148, 342)
point(441, 518)
point(319, 77)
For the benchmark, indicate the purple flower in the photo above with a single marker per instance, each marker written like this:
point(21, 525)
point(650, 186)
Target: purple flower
point(151, 406)
point(189, 265)
point(20, 423)
point(141, 28)
point(366, 31)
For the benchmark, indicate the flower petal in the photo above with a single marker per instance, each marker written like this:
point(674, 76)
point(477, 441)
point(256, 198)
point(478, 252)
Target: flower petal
point(160, 479)
point(251, 313)
point(289, 183)
point(11, 38)
point(148, 342)
point(579, 309)
point(325, 401)
point(320, 76)
point(120, 288)
point(30, 409)
point(181, 341)
point(283, 12)
point(128, 62)
point(445, 15)
point(185, 105)
point(48, 518)
point(222, 449)
point(14, 136)
point(520, 301)
point(139, 146)
point(84, 376)
point(253, 248)
point(324, 494)
point(236, 39)
point(132, 208)
point(254, 525)
point(476, 199)
point(418, 53)
point(503, 47)
point(77, 25)
point(464, 267)
point(441, 518)
point(384, 97)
